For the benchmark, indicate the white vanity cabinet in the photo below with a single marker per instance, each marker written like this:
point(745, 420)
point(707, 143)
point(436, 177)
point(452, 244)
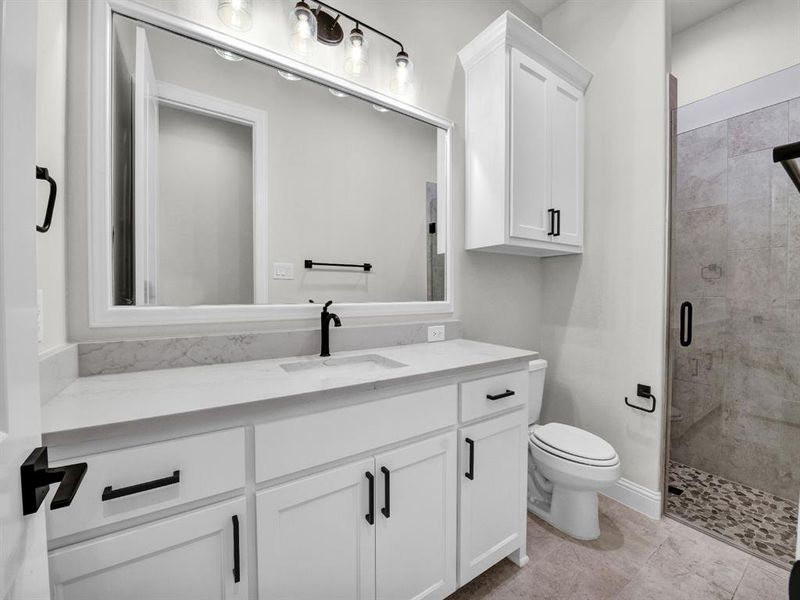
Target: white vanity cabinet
point(492, 479)
point(383, 527)
point(524, 136)
point(351, 492)
point(492, 473)
point(200, 555)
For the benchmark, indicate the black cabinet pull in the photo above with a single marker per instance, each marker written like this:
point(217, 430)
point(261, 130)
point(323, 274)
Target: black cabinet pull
point(386, 492)
point(505, 394)
point(36, 476)
point(551, 213)
point(557, 228)
point(44, 175)
point(237, 573)
point(470, 474)
point(370, 516)
point(686, 324)
point(109, 494)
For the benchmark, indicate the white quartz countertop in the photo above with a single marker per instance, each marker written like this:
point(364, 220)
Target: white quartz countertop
point(122, 398)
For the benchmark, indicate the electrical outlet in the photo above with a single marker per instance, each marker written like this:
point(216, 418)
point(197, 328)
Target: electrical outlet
point(282, 270)
point(436, 333)
point(40, 313)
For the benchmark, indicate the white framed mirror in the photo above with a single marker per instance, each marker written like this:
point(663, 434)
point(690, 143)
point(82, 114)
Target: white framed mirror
point(229, 183)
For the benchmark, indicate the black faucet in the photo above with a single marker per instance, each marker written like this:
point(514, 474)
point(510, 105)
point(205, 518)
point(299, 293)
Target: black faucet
point(325, 321)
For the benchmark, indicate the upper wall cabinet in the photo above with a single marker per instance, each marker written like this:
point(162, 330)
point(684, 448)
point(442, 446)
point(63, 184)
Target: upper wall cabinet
point(524, 133)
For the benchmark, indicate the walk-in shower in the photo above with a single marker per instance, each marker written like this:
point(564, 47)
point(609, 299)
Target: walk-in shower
point(734, 451)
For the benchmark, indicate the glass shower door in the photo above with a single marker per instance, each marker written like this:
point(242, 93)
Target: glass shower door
point(735, 333)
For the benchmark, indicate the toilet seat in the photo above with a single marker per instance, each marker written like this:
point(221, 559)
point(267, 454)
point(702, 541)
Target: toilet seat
point(573, 444)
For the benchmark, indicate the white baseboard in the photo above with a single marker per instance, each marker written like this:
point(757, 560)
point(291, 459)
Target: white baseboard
point(637, 497)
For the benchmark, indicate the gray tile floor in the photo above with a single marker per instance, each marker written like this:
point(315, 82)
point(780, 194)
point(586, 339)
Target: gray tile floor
point(635, 558)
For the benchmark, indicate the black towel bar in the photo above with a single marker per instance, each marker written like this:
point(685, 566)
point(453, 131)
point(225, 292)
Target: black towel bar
point(310, 264)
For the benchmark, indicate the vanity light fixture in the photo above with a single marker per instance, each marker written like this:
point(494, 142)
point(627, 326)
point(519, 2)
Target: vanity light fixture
point(227, 55)
point(403, 78)
point(317, 25)
point(289, 76)
point(303, 23)
point(338, 93)
point(356, 58)
point(236, 14)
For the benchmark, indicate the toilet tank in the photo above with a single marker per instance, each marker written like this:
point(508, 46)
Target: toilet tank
point(536, 370)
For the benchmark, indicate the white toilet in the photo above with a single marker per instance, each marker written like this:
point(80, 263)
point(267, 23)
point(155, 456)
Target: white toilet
point(567, 466)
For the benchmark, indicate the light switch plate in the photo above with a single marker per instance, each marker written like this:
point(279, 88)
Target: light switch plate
point(282, 270)
point(436, 333)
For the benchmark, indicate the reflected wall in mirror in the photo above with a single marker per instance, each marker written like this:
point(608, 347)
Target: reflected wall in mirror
point(228, 175)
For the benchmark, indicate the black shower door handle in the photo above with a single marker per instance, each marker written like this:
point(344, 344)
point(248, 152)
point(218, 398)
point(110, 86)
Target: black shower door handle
point(686, 324)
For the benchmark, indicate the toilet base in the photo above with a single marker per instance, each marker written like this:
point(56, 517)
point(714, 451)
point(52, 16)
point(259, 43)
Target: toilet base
point(574, 512)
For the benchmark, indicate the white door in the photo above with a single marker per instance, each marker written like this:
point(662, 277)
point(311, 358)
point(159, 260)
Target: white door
point(23, 558)
point(530, 149)
point(145, 151)
point(193, 556)
point(415, 555)
point(566, 121)
point(493, 512)
point(314, 537)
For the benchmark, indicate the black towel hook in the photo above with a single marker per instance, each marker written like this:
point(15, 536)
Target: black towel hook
point(43, 174)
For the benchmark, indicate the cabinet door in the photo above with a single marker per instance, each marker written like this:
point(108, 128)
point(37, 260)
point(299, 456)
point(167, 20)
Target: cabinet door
point(492, 518)
point(416, 521)
point(191, 556)
point(566, 118)
point(314, 538)
point(530, 149)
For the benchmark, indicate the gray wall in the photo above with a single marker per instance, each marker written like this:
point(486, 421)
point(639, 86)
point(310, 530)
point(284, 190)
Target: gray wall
point(497, 297)
point(604, 321)
point(736, 257)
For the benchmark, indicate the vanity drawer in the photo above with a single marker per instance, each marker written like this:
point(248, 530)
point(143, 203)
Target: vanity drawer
point(290, 445)
point(490, 395)
point(127, 483)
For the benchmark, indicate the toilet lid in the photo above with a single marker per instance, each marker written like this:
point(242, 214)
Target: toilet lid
point(576, 443)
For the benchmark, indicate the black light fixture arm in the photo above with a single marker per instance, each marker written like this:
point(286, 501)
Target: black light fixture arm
point(359, 23)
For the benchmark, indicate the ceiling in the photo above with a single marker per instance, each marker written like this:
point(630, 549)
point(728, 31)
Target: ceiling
point(684, 13)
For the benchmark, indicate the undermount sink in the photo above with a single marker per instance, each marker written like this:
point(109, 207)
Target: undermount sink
point(362, 362)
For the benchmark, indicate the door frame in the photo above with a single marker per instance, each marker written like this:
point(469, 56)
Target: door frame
point(23, 555)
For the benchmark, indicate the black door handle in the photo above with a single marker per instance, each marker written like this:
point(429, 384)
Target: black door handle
point(686, 324)
point(505, 394)
point(386, 492)
point(551, 214)
point(36, 477)
point(237, 573)
point(44, 175)
point(557, 228)
point(370, 516)
point(109, 494)
point(470, 474)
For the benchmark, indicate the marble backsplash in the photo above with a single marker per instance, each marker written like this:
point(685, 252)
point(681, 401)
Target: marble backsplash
point(102, 358)
point(736, 258)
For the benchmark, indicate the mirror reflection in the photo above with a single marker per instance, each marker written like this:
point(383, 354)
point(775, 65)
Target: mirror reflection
point(232, 181)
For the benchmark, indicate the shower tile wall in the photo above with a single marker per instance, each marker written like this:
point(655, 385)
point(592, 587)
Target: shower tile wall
point(736, 257)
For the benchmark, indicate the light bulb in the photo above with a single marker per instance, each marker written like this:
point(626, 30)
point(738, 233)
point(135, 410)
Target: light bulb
point(403, 80)
point(303, 21)
point(356, 61)
point(227, 55)
point(379, 108)
point(338, 93)
point(236, 14)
